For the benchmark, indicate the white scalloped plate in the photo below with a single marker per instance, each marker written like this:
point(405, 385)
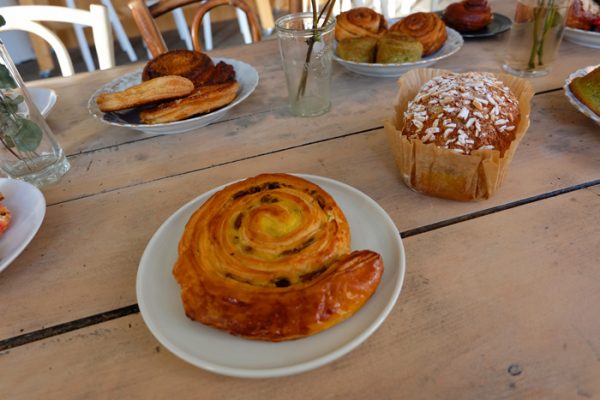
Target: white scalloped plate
point(159, 298)
point(583, 38)
point(245, 74)
point(574, 100)
point(453, 44)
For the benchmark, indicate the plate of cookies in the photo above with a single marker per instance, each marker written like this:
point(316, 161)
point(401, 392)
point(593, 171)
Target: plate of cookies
point(369, 45)
point(178, 91)
point(582, 88)
point(271, 275)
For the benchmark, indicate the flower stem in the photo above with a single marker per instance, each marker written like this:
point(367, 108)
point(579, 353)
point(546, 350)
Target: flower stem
point(327, 9)
point(548, 22)
point(536, 21)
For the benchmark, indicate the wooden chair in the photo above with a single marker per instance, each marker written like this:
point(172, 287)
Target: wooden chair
point(144, 19)
point(27, 18)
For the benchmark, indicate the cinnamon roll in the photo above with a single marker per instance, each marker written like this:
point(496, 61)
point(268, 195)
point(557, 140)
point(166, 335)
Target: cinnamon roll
point(268, 258)
point(428, 28)
point(359, 22)
point(468, 15)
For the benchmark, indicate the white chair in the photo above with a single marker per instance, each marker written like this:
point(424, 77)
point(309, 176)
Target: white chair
point(26, 18)
point(117, 27)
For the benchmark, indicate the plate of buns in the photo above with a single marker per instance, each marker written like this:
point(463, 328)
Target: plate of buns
point(178, 91)
point(271, 275)
point(582, 88)
point(368, 45)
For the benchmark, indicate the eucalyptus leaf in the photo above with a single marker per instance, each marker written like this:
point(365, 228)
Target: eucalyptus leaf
point(8, 141)
point(2, 21)
point(29, 136)
point(6, 79)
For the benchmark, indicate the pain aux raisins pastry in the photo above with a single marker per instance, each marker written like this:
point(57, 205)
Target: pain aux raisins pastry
point(269, 258)
point(455, 134)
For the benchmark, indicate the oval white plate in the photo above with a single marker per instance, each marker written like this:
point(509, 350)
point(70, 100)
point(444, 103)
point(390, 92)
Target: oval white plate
point(574, 100)
point(27, 207)
point(245, 74)
point(583, 38)
point(452, 45)
point(158, 296)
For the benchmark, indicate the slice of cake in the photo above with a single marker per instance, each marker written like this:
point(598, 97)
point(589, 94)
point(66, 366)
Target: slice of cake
point(587, 90)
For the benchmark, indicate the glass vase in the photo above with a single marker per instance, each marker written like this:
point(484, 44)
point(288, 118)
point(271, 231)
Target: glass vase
point(535, 36)
point(306, 54)
point(28, 149)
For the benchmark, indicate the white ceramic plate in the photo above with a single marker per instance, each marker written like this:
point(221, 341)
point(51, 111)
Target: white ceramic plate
point(158, 296)
point(452, 45)
point(583, 38)
point(28, 207)
point(245, 74)
point(574, 100)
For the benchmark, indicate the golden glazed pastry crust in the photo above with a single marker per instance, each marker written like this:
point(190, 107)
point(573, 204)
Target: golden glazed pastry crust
point(474, 173)
point(148, 92)
point(202, 100)
point(428, 28)
point(359, 22)
point(268, 258)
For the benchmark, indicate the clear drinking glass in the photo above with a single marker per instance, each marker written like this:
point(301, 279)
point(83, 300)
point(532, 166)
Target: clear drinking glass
point(535, 36)
point(28, 149)
point(307, 67)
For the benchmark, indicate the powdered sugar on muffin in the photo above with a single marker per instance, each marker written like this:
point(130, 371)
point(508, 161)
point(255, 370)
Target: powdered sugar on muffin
point(463, 112)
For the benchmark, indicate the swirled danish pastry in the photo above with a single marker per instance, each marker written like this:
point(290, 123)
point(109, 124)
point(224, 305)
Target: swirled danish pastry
point(359, 22)
point(427, 27)
point(269, 258)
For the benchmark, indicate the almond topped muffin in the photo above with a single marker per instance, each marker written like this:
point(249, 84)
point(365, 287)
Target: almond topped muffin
point(463, 112)
point(454, 135)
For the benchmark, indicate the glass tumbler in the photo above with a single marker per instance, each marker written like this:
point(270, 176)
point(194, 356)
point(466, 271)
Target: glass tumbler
point(28, 149)
point(535, 36)
point(306, 54)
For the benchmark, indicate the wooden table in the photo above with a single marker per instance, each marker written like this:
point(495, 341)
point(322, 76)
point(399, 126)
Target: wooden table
point(500, 299)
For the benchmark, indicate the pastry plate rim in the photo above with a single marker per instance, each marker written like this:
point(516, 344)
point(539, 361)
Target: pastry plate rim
point(395, 70)
point(582, 108)
point(26, 217)
point(246, 75)
point(342, 338)
point(582, 37)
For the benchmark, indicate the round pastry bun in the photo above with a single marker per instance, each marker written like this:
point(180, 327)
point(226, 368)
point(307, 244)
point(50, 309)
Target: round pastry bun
point(268, 258)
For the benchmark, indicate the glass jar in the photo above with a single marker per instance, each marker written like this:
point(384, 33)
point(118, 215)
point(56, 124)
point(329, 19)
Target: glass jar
point(28, 149)
point(306, 54)
point(535, 36)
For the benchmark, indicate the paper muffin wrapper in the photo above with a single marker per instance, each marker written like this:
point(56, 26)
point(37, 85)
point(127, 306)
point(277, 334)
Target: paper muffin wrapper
point(439, 171)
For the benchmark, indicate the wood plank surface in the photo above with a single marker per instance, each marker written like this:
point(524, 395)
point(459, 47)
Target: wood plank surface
point(503, 306)
point(78, 132)
point(142, 161)
point(88, 249)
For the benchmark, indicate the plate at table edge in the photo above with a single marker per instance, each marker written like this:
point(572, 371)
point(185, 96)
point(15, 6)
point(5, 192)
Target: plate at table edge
point(452, 45)
point(574, 100)
point(583, 38)
point(500, 24)
point(222, 353)
point(246, 75)
point(25, 220)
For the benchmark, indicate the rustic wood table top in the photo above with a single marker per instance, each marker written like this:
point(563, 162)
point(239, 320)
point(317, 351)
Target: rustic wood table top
point(500, 298)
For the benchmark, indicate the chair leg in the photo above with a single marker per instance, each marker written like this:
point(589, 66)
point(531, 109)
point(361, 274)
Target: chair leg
point(83, 44)
point(244, 27)
point(206, 29)
point(120, 32)
point(182, 28)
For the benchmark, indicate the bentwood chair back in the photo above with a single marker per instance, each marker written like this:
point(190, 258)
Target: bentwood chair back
point(27, 18)
point(144, 17)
